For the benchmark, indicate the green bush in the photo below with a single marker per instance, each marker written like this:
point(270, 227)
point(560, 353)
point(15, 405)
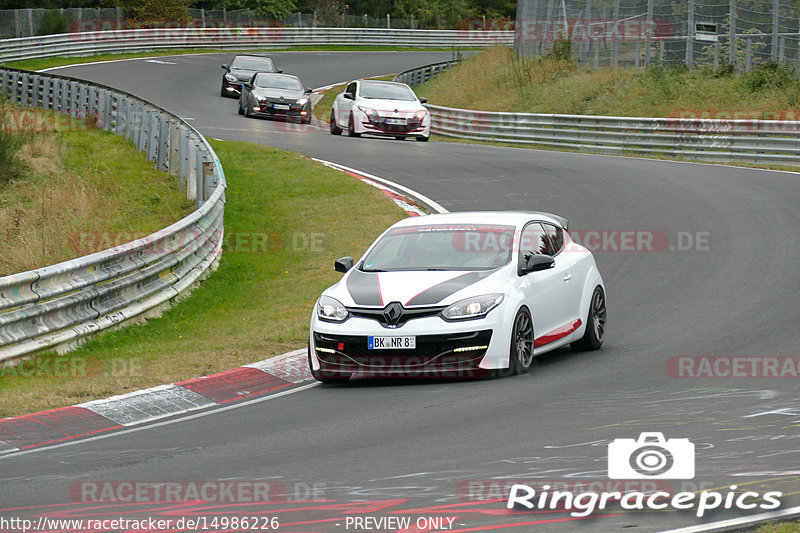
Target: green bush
point(53, 22)
point(769, 76)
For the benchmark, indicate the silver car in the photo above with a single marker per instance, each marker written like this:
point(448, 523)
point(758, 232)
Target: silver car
point(275, 95)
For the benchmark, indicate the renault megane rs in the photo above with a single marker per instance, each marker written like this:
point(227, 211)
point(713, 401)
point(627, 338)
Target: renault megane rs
point(458, 294)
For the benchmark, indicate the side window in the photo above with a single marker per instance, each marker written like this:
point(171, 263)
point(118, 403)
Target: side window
point(556, 237)
point(351, 89)
point(533, 240)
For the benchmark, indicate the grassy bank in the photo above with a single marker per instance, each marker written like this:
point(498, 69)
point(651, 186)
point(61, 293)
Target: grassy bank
point(74, 190)
point(286, 219)
point(494, 80)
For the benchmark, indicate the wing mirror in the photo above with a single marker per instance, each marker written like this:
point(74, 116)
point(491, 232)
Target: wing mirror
point(423, 100)
point(309, 91)
point(279, 71)
point(343, 264)
point(538, 262)
point(225, 67)
point(348, 96)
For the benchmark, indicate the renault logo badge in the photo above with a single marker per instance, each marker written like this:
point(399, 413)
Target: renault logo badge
point(392, 313)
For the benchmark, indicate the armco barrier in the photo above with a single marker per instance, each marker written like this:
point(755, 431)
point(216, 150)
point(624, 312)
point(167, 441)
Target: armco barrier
point(57, 306)
point(701, 139)
point(118, 41)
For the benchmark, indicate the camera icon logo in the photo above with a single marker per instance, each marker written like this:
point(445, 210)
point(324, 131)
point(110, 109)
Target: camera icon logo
point(651, 457)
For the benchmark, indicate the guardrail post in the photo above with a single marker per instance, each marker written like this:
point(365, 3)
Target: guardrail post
point(183, 158)
point(63, 96)
point(36, 90)
point(173, 148)
point(208, 179)
point(73, 99)
point(6, 78)
point(82, 107)
point(142, 119)
point(191, 179)
point(121, 122)
point(152, 136)
point(162, 159)
point(199, 177)
point(15, 87)
point(25, 87)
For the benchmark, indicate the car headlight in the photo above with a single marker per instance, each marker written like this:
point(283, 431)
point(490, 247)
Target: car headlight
point(331, 309)
point(230, 77)
point(475, 307)
point(302, 101)
point(420, 115)
point(371, 113)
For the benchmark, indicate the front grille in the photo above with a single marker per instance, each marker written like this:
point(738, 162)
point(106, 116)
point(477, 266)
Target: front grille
point(354, 346)
point(406, 314)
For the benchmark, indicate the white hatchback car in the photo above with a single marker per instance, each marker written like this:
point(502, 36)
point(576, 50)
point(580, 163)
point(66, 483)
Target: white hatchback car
point(380, 108)
point(458, 294)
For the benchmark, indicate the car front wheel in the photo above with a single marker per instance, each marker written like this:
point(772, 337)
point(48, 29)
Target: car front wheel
point(351, 128)
point(521, 355)
point(335, 130)
point(595, 323)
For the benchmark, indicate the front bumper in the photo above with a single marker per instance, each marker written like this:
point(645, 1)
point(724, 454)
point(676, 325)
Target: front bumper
point(265, 109)
point(465, 349)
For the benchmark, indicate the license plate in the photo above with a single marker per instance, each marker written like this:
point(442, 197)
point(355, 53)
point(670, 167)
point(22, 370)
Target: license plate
point(280, 106)
point(396, 121)
point(392, 343)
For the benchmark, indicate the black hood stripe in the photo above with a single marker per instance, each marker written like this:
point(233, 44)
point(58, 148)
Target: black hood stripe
point(364, 288)
point(439, 292)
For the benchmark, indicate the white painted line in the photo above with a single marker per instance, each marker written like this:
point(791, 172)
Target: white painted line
point(737, 523)
point(165, 422)
point(7, 448)
point(411, 192)
point(147, 405)
point(159, 62)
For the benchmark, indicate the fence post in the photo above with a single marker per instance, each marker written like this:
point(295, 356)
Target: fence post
point(191, 178)
point(716, 54)
point(183, 156)
point(23, 96)
point(775, 21)
point(209, 181)
point(732, 37)
point(199, 187)
point(73, 99)
point(690, 36)
point(597, 55)
point(615, 37)
point(649, 33)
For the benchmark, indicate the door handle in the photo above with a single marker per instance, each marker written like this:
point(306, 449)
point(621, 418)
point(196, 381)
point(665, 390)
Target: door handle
point(567, 277)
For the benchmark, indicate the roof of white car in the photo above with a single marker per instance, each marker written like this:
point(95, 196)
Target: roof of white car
point(510, 218)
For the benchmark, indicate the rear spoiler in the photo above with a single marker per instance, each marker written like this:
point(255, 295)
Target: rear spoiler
point(563, 222)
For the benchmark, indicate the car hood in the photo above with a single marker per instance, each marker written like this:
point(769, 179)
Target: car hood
point(277, 93)
point(414, 288)
point(390, 105)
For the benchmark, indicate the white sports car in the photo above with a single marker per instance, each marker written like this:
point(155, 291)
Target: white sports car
point(458, 294)
point(380, 108)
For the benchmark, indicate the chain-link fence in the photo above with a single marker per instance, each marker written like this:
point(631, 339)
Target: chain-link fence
point(641, 32)
point(29, 22)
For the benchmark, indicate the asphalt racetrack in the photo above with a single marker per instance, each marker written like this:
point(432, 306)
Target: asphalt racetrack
point(722, 280)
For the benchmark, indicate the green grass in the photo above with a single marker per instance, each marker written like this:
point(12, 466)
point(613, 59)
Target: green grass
point(49, 62)
point(550, 85)
point(301, 215)
point(782, 527)
point(83, 190)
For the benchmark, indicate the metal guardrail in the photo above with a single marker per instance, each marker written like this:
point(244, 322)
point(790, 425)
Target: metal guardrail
point(118, 41)
point(56, 306)
point(702, 139)
point(419, 75)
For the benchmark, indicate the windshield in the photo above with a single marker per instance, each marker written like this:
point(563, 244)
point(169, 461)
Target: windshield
point(252, 63)
point(442, 247)
point(386, 91)
point(279, 82)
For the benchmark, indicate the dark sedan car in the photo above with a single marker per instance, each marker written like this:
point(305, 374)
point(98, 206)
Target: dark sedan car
point(241, 69)
point(275, 95)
